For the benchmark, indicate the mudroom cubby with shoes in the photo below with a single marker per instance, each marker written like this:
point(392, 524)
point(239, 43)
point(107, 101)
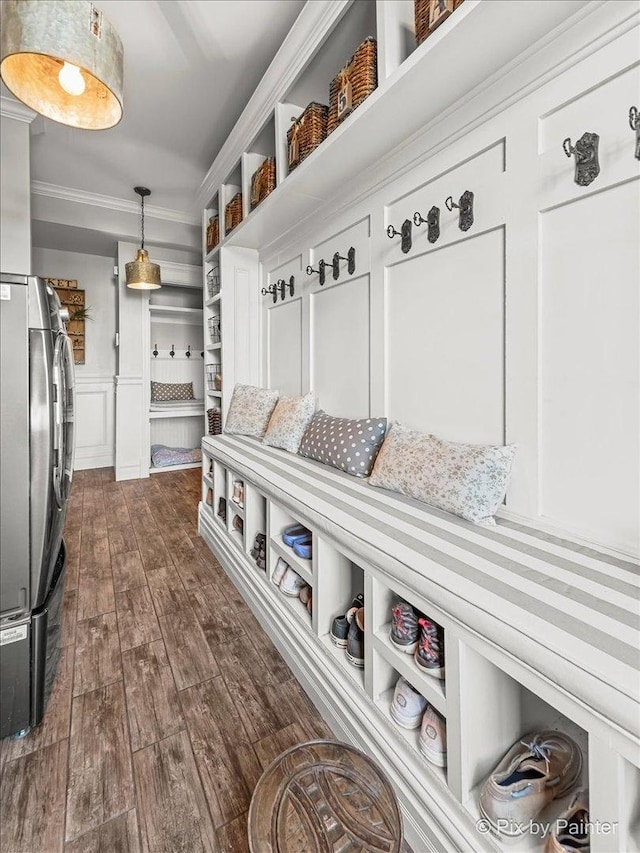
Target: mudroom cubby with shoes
point(500, 684)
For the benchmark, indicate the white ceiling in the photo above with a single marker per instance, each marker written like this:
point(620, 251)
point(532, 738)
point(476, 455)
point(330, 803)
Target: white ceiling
point(190, 68)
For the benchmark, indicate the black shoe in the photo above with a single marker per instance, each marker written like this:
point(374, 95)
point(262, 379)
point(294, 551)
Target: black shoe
point(259, 545)
point(340, 625)
point(354, 651)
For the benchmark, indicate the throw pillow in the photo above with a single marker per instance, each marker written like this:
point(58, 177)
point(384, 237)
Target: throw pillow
point(288, 422)
point(250, 410)
point(162, 392)
point(350, 445)
point(469, 480)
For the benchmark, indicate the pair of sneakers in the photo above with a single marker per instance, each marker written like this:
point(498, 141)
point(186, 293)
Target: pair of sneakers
point(259, 551)
point(413, 633)
point(410, 710)
point(298, 537)
point(287, 580)
point(347, 632)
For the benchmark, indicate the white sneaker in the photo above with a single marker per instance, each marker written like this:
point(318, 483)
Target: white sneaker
point(407, 706)
point(278, 572)
point(433, 737)
point(291, 583)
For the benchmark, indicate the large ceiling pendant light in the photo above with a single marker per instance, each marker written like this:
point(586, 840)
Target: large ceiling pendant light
point(141, 273)
point(64, 60)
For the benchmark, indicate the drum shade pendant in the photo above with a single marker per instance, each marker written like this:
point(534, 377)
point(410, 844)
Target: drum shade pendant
point(141, 273)
point(64, 60)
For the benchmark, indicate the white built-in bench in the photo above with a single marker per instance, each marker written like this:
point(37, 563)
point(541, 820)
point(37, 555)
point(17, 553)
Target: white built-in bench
point(535, 627)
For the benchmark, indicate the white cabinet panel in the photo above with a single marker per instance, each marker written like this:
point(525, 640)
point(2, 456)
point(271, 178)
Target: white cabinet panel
point(340, 348)
point(284, 335)
point(590, 357)
point(445, 340)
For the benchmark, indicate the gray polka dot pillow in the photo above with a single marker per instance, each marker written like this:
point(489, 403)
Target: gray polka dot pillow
point(163, 392)
point(349, 445)
point(469, 480)
point(249, 410)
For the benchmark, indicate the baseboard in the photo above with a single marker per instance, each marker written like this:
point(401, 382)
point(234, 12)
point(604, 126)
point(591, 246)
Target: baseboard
point(103, 461)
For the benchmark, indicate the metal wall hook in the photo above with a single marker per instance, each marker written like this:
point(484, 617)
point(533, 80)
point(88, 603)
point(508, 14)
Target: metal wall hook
point(272, 289)
point(404, 233)
point(465, 206)
point(351, 263)
point(320, 271)
point(585, 151)
point(188, 352)
point(155, 351)
point(202, 355)
point(282, 285)
point(172, 351)
point(634, 124)
point(432, 221)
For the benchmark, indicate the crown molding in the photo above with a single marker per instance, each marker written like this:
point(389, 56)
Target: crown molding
point(111, 203)
point(10, 108)
point(309, 29)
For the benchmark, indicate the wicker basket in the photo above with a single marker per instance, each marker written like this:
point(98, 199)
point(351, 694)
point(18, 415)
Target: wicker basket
point(306, 133)
point(353, 84)
point(214, 329)
point(263, 181)
point(213, 282)
point(429, 14)
point(213, 233)
point(233, 213)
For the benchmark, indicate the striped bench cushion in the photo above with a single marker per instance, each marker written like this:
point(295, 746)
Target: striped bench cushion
point(567, 611)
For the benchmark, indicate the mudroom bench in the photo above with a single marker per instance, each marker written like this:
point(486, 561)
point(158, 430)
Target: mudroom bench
point(539, 633)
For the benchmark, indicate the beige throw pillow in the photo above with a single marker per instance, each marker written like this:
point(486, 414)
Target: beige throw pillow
point(289, 421)
point(250, 410)
point(468, 480)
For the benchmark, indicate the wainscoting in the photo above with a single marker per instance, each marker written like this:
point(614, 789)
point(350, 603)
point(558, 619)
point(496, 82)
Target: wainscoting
point(95, 421)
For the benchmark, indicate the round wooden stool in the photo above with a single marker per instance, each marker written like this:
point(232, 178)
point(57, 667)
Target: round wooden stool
point(323, 797)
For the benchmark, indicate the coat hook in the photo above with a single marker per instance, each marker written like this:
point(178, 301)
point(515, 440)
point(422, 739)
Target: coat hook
point(465, 206)
point(202, 355)
point(350, 257)
point(188, 352)
point(155, 351)
point(432, 221)
point(272, 289)
point(320, 271)
point(283, 285)
point(172, 351)
point(405, 233)
point(585, 151)
point(634, 124)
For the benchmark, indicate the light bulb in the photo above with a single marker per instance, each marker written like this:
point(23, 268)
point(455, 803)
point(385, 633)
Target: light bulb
point(71, 79)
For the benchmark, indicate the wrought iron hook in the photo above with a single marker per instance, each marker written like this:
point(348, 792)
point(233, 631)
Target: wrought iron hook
point(272, 289)
point(351, 263)
point(320, 271)
point(432, 221)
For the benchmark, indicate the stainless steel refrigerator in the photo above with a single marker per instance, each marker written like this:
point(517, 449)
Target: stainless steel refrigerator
point(37, 406)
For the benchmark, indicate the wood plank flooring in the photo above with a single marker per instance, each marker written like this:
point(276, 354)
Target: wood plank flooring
point(170, 700)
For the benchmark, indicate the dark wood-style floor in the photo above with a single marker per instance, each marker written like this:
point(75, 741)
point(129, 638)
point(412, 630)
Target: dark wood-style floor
point(169, 701)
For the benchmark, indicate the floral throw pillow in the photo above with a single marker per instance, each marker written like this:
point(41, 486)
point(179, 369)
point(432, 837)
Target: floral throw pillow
point(288, 422)
point(349, 445)
point(469, 480)
point(250, 410)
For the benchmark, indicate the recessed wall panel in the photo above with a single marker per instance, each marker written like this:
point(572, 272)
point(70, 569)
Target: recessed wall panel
point(285, 347)
point(340, 348)
point(445, 340)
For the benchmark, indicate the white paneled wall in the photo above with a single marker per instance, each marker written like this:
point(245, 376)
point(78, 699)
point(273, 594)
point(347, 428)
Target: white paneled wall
point(95, 421)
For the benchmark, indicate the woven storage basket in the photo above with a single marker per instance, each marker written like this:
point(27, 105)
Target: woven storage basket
point(233, 213)
point(306, 133)
point(356, 81)
point(213, 233)
point(263, 181)
point(429, 14)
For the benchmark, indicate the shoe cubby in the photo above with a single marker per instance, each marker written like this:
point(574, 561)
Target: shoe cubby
point(235, 509)
point(338, 580)
point(208, 489)
point(278, 519)
point(383, 599)
point(219, 493)
point(255, 518)
point(497, 711)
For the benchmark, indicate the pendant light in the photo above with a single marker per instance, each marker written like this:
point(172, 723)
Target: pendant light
point(64, 60)
point(142, 274)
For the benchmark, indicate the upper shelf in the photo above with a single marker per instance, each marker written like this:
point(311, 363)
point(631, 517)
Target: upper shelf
point(191, 316)
point(449, 66)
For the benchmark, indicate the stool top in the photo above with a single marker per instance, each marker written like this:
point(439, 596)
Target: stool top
point(324, 797)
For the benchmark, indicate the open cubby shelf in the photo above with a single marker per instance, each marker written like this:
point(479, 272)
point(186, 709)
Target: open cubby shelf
point(486, 698)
